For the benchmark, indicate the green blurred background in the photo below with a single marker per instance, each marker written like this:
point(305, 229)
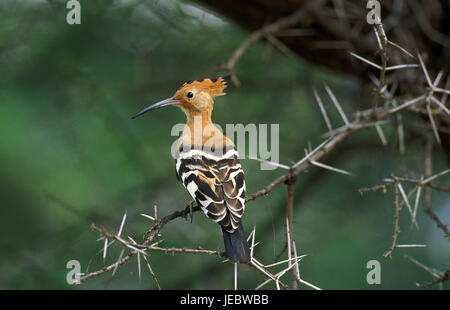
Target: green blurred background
point(70, 155)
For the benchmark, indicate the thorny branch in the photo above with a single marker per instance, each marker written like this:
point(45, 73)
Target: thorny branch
point(425, 183)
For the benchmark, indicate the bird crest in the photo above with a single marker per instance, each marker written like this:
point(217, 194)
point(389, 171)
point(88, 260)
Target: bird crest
point(213, 86)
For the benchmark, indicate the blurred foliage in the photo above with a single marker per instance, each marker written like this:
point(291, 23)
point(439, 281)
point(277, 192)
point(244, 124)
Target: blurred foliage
point(71, 155)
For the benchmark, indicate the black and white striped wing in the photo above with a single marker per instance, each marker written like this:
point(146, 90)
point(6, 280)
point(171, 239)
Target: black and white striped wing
point(216, 183)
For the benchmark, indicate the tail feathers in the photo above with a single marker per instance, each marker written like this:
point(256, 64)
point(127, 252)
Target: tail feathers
point(236, 246)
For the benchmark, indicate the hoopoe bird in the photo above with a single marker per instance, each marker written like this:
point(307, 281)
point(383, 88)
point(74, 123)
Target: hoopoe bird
point(207, 162)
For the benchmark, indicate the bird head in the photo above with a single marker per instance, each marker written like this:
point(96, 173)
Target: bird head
point(194, 97)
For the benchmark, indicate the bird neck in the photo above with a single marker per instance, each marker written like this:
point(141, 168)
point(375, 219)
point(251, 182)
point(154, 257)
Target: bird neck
point(200, 131)
point(202, 119)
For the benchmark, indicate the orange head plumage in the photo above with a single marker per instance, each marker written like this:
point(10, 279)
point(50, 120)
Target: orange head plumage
point(194, 97)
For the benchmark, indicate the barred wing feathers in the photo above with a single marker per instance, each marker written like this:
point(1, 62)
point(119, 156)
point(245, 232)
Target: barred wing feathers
point(217, 184)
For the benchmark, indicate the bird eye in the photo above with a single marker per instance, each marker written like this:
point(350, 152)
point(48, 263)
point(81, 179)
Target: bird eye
point(190, 95)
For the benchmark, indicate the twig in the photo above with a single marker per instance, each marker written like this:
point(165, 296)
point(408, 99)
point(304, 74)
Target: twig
point(396, 219)
point(270, 29)
point(151, 272)
point(441, 279)
point(373, 189)
point(382, 40)
point(289, 226)
point(427, 191)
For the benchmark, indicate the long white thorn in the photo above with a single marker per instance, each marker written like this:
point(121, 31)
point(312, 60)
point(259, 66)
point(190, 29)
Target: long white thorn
point(416, 203)
point(323, 111)
point(288, 239)
point(433, 124)
point(285, 261)
point(381, 134)
point(139, 265)
point(310, 285)
point(297, 268)
point(405, 198)
point(427, 180)
point(105, 248)
point(288, 268)
point(135, 249)
point(366, 61)
point(407, 104)
point(411, 246)
point(262, 284)
point(275, 164)
point(443, 107)
point(151, 271)
point(253, 241)
point(118, 260)
point(438, 79)
point(122, 224)
point(337, 105)
point(378, 38)
point(277, 282)
point(435, 273)
point(315, 163)
point(425, 71)
point(148, 216)
point(440, 90)
point(235, 276)
point(401, 48)
point(404, 66)
point(156, 243)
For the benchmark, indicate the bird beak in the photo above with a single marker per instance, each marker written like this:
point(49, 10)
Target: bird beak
point(164, 103)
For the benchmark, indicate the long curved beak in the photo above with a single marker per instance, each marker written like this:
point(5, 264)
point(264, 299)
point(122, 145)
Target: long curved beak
point(164, 103)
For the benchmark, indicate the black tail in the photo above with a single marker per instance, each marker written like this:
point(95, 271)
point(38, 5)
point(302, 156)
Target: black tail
point(236, 245)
